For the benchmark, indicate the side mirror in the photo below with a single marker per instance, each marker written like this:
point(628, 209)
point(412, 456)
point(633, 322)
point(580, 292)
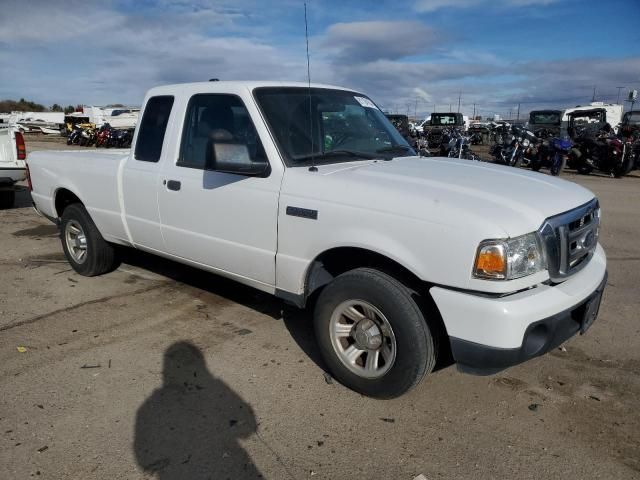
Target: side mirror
point(233, 157)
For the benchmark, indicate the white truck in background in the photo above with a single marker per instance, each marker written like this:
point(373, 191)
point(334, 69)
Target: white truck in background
point(596, 113)
point(310, 193)
point(12, 163)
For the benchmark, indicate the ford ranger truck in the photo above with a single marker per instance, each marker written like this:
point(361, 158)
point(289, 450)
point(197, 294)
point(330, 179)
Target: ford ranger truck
point(13, 154)
point(309, 193)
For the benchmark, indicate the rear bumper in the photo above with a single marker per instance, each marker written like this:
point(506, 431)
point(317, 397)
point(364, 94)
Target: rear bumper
point(9, 176)
point(489, 334)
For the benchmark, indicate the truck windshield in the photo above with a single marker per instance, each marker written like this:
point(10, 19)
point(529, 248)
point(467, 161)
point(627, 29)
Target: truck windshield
point(545, 118)
point(321, 125)
point(631, 118)
point(442, 119)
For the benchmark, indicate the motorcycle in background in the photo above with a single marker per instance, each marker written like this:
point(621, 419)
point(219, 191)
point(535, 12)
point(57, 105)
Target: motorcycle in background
point(552, 153)
point(74, 137)
point(121, 138)
point(103, 136)
point(458, 145)
point(506, 149)
point(601, 150)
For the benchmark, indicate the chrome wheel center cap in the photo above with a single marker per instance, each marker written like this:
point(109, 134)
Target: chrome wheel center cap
point(81, 241)
point(367, 335)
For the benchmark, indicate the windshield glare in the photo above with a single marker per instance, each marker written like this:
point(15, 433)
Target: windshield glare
point(329, 125)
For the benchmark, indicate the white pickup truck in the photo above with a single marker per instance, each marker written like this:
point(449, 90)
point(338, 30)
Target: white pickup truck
point(310, 194)
point(12, 164)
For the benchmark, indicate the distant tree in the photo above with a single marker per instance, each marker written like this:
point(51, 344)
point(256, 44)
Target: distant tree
point(56, 108)
point(115, 105)
point(21, 106)
point(69, 109)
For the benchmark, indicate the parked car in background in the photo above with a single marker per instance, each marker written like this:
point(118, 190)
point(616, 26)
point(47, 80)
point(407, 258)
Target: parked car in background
point(308, 192)
point(13, 154)
point(549, 120)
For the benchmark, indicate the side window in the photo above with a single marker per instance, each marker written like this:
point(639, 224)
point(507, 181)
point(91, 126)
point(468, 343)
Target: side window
point(152, 128)
point(216, 118)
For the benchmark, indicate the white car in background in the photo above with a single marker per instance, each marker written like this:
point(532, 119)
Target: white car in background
point(13, 154)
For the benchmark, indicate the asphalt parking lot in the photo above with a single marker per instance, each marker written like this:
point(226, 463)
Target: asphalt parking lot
point(161, 371)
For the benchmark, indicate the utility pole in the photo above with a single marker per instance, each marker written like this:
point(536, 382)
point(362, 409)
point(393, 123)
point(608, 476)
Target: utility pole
point(450, 107)
point(415, 110)
point(474, 111)
point(619, 88)
point(593, 99)
point(518, 112)
point(459, 97)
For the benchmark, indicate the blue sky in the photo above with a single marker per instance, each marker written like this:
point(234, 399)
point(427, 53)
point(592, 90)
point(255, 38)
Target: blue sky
point(407, 55)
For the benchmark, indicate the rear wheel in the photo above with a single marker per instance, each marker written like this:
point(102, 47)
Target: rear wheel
point(372, 334)
point(87, 252)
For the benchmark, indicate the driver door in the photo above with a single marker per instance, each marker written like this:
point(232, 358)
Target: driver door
point(224, 221)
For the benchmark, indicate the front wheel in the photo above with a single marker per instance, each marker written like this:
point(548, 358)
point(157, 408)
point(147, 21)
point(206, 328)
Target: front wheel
point(87, 252)
point(558, 165)
point(372, 334)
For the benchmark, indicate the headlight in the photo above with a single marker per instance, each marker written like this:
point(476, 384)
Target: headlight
point(510, 258)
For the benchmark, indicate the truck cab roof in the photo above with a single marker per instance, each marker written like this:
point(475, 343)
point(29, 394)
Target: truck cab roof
point(231, 85)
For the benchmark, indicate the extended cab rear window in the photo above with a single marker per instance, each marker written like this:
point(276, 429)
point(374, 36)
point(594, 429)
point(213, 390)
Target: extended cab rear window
point(152, 128)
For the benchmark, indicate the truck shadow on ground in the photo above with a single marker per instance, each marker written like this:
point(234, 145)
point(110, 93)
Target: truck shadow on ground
point(22, 198)
point(299, 323)
point(190, 427)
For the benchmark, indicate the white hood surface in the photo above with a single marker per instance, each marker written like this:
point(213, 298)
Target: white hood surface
point(512, 201)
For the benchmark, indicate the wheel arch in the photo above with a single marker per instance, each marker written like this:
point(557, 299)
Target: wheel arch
point(63, 197)
point(335, 261)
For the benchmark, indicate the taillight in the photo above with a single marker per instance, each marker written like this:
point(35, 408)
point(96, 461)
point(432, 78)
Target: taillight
point(20, 146)
point(29, 184)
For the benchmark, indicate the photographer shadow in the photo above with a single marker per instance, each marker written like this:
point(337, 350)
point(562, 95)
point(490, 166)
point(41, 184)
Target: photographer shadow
point(190, 427)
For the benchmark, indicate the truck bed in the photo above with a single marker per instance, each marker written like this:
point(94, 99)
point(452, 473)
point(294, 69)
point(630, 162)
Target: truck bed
point(91, 175)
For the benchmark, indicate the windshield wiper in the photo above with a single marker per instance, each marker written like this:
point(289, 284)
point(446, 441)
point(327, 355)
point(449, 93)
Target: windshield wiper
point(335, 153)
point(394, 148)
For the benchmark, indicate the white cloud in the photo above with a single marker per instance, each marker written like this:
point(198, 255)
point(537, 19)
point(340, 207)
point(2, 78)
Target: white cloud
point(433, 5)
point(373, 40)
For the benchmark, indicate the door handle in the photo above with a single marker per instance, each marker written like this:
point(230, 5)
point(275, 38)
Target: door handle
point(173, 185)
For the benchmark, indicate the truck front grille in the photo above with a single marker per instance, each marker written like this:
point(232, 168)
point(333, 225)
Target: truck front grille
point(570, 239)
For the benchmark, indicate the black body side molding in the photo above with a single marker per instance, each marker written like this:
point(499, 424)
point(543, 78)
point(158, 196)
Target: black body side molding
point(302, 212)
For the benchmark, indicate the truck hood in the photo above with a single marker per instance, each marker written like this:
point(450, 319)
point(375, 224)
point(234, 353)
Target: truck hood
point(500, 201)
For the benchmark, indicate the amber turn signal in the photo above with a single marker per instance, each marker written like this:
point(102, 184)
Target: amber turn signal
point(491, 262)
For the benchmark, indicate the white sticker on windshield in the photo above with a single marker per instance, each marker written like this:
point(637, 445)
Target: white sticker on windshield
point(365, 102)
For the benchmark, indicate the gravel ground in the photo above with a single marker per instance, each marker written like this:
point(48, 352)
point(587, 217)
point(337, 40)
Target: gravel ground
point(161, 371)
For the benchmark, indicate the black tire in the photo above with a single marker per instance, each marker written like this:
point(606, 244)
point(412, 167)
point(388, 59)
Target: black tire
point(584, 169)
point(535, 165)
point(7, 199)
point(556, 170)
point(415, 345)
point(100, 255)
point(625, 168)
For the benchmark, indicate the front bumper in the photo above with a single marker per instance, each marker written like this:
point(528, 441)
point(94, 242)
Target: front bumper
point(489, 334)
